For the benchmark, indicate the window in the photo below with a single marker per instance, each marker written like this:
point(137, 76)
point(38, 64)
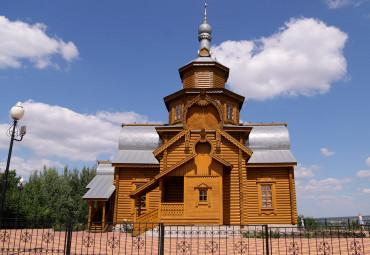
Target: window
point(178, 112)
point(229, 112)
point(203, 195)
point(266, 195)
point(142, 201)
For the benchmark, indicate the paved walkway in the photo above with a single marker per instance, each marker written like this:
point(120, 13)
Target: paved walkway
point(47, 241)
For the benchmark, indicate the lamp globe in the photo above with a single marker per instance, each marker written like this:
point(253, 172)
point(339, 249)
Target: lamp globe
point(17, 111)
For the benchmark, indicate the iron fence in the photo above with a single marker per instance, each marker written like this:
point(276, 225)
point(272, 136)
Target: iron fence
point(52, 236)
point(348, 222)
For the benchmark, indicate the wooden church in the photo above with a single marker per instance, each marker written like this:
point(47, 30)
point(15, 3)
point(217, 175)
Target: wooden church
point(203, 167)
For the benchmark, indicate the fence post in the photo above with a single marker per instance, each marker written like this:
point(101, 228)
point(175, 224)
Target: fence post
point(349, 226)
point(267, 239)
point(68, 238)
point(161, 238)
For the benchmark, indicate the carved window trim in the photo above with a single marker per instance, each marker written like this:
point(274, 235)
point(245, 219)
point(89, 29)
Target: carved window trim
point(265, 197)
point(199, 189)
point(230, 112)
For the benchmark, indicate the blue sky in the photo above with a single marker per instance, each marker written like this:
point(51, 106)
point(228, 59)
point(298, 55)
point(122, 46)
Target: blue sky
point(83, 67)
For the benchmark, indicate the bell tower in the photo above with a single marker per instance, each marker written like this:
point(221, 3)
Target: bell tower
point(204, 77)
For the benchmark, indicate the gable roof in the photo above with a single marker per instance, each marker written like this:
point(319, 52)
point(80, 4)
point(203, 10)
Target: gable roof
point(153, 182)
point(169, 143)
point(237, 143)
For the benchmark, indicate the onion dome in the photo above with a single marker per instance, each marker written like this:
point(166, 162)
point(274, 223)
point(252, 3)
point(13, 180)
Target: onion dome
point(205, 28)
point(204, 31)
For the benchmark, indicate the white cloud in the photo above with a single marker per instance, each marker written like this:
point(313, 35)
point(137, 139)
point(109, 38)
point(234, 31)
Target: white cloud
point(4, 139)
point(302, 172)
point(325, 185)
point(363, 173)
point(334, 4)
point(365, 191)
point(61, 132)
point(25, 168)
point(19, 40)
point(368, 161)
point(326, 152)
point(119, 117)
point(303, 58)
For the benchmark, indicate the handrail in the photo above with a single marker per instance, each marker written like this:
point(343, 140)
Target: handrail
point(172, 209)
point(148, 217)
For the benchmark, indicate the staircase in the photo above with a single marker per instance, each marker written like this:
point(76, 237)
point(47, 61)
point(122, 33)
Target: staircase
point(145, 223)
point(97, 227)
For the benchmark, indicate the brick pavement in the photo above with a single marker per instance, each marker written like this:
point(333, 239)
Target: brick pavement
point(48, 241)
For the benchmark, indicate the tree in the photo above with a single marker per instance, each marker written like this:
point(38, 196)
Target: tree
point(50, 194)
point(12, 194)
point(308, 221)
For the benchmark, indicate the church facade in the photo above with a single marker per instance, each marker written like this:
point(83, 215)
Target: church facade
point(203, 167)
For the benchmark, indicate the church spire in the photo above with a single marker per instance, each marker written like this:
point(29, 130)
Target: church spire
point(204, 31)
point(205, 13)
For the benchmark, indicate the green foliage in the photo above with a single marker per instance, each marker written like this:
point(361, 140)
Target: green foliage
point(308, 222)
point(49, 194)
point(354, 224)
point(254, 234)
point(12, 194)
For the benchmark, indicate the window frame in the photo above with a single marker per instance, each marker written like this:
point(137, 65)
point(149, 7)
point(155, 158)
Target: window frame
point(266, 182)
point(178, 112)
point(134, 207)
point(203, 197)
point(230, 112)
point(198, 195)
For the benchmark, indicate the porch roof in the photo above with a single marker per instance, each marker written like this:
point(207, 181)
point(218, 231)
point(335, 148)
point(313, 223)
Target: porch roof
point(271, 156)
point(101, 187)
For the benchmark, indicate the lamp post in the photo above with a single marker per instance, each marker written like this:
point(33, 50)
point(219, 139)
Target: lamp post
point(16, 113)
point(20, 187)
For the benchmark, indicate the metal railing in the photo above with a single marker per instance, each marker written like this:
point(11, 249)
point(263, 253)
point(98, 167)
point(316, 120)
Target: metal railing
point(52, 236)
point(351, 223)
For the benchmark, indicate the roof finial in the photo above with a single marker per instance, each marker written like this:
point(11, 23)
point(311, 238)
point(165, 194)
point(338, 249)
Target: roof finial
point(205, 13)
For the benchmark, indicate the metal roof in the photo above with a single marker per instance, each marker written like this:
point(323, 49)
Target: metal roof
point(101, 187)
point(270, 144)
point(272, 156)
point(135, 157)
point(204, 59)
point(139, 138)
point(268, 138)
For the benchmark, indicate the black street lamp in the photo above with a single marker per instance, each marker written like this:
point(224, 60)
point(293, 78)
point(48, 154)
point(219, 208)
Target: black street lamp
point(16, 113)
point(20, 187)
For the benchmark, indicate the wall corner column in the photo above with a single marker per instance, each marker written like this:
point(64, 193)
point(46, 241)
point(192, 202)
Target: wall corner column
point(292, 196)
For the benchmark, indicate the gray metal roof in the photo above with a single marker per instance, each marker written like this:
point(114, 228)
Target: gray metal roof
point(268, 138)
point(139, 138)
point(135, 157)
point(272, 156)
point(204, 59)
point(270, 144)
point(101, 187)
